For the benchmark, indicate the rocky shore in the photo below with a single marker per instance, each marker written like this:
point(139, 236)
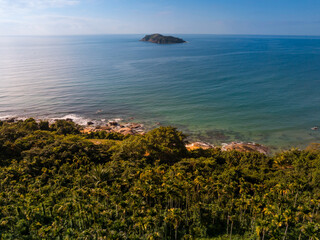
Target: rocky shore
point(138, 129)
point(245, 147)
point(116, 127)
point(233, 146)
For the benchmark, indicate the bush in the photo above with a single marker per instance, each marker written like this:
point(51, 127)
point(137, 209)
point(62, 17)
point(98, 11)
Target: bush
point(106, 135)
point(147, 187)
point(65, 127)
point(166, 144)
point(44, 125)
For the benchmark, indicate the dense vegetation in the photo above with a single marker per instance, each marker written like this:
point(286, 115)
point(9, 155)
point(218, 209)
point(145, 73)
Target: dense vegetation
point(55, 183)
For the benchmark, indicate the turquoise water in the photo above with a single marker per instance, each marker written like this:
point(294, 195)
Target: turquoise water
point(214, 88)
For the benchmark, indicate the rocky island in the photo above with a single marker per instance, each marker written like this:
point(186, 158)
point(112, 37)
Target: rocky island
point(160, 39)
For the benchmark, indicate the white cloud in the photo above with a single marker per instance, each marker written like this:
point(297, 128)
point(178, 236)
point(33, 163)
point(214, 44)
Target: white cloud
point(22, 16)
point(12, 5)
point(59, 25)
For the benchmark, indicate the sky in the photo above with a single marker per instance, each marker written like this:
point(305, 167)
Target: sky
point(79, 17)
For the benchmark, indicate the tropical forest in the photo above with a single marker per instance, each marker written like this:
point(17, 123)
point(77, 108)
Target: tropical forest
point(57, 182)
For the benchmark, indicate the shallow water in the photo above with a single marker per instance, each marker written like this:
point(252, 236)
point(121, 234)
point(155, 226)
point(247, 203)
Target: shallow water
point(215, 88)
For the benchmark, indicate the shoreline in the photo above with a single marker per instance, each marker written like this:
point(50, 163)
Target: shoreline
point(205, 138)
point(117, 125)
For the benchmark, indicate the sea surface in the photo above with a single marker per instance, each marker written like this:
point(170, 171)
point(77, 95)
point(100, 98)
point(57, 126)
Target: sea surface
point(215, 88)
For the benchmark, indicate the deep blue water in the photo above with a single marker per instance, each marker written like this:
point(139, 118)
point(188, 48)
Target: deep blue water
point(216, 88)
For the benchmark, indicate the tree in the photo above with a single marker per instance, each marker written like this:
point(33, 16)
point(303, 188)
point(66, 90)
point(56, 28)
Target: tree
point(166, 144)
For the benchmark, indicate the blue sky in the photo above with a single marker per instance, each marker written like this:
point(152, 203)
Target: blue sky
point(64, 17)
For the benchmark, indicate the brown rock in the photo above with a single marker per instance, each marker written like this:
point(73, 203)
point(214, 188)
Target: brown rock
point(245, 147)
point(105, 128)
point(88, 130)
point(199, 145)
point(134, 125)
point(113, 123)
point(125, 131)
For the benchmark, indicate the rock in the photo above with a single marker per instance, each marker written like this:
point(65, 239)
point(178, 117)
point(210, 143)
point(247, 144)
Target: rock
point(10, 120)
point(88, 130)
point(160, 39)
point(114, 126)
point(134, 125)
point(105, 128)
point(199, 145)
point(313, 147)
point(245, 147)
point(126, 131)
point(113, 123)
point(69, 119)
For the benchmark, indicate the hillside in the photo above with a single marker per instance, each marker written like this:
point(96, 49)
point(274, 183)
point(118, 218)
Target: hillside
point(57, 184)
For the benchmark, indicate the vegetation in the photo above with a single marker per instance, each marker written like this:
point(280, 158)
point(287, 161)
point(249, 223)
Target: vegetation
point(57, 184)
point(160, 39)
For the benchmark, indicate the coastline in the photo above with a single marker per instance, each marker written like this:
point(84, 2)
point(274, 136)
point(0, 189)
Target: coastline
point(217, 89)
point(117, 125)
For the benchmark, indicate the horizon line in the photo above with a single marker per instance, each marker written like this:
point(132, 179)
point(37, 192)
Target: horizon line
point(102, 34)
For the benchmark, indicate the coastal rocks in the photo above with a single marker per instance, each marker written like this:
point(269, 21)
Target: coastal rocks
point(10, 120)
point(104, 128)
point(199, 145)
point(115, 127)
point(245, 147)
point(160, 39)
point(132, 129)
point(237, 146)
point(87, 130)
point(125, 131)
point(313, 147)
point(113, 123)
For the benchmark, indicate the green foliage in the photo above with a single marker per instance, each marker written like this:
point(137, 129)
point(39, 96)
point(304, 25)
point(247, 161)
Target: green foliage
point(166, 144)
point(44, 125)
point(133, 148)
point(106, 135)
point(56, 184)
point(65, 127)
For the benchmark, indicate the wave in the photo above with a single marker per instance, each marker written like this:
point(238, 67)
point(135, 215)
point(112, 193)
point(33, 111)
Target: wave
point(6, 117)
point(80, 120)
point(76, 119)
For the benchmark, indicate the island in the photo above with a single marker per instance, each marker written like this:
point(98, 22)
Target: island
point(160, 39)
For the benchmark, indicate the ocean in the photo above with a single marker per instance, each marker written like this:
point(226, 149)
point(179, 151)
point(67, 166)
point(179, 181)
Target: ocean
point(215, 88)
